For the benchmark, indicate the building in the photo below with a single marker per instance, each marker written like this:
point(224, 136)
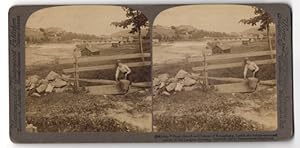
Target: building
point(115, 44)
point(221, 48)
point(88, 50)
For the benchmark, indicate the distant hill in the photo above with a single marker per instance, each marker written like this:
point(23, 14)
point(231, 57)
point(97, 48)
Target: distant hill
point(54, 34)
point(183, 32)
point(255, 31)
point(125, 33)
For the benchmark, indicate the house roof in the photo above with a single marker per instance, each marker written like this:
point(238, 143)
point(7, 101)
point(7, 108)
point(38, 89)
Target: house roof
point(223, 46)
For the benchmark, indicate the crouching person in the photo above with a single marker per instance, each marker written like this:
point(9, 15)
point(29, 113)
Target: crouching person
point(122, 76)
point(249, 65)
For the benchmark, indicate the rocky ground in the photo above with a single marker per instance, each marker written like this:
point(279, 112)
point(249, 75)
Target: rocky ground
point(51, 106)
point(181, 104)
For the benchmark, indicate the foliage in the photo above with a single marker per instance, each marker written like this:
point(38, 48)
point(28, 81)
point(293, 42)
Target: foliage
point(136, 20)
point(261, 17)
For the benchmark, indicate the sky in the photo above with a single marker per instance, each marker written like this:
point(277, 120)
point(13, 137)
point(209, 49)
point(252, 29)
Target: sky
point(221, 18)
point(80, 19)
point(97, 19)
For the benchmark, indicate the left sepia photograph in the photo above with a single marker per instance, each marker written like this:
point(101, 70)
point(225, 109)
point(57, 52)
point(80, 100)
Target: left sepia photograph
point(88, 69)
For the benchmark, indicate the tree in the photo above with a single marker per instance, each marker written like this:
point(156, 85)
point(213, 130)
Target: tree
point(136, 20)
point(264, 19)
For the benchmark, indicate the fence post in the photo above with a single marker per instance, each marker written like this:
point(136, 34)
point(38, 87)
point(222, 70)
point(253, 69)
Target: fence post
point(141, 45)
point(205, 69)
point(76, 74)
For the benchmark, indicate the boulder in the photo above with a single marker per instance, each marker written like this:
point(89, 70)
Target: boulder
point(34, 79)
point(162, 84)
point(41, 88)
point(171, 87)
point(60, 90)
point(148, 98)
point(32, 86)
point(35, 95)
point(49, 88)
point(172, 80)
point(189, 81)
point(166, 93)
point(181, 74)
point(31, 129)
point(156, 82)
point(179, 87)
point(57, 83)
point(163, 77)
point(43, 81)
point(27, 83)
point(52, 76)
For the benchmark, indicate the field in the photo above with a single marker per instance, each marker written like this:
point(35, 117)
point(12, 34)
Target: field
point(82, 112)
point(199, 110)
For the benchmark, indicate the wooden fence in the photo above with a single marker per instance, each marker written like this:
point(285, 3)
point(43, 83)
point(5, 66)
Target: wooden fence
point(223, 61)
point(76, 69)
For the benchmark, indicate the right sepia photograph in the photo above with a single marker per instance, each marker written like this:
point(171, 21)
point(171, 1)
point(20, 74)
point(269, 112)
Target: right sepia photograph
point(214, 69)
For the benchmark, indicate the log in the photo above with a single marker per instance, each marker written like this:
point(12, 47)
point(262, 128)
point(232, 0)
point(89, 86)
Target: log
point(111, 82)
point(236, 80)
point(241, 87)
point(107, 90)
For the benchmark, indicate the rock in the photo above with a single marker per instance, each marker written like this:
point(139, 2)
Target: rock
point(32, 86)
point(49, 88)
point(142, 91)
point(163, 77)
point(166, 93)
point(27, 83)
point(58, 83)
point(41, 88)
point(181, 74)
point(156, 82)
point(189, 81)
point(172, 80)
point(30, 128)
point(148, 98)
point(60, 90)
point(194, 76)
point(35, 94)
point(189, 88)
point(171, 87)
point(34, 79)
point(162, 84)
point(179, 87)
point(43, 81)
point(52, 76)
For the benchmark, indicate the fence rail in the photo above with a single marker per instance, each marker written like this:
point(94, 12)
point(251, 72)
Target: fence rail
point(104, 58)
point(231, 56)
point(227, 63)
point(232, 65)
point(103, 67)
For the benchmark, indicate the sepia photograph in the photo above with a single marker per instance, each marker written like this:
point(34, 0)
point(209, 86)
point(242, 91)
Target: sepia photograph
point(214, 69)
point(88, 69)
